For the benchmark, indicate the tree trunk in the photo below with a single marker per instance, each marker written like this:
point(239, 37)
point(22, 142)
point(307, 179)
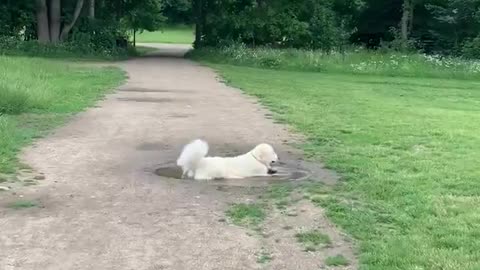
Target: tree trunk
point(91, 10)
point(55, 20)
point(66, 29)
point(203, 19)
point(43, 29)
point(134, 38)
point(406, 22)
point(198, 7)
point(410, 24)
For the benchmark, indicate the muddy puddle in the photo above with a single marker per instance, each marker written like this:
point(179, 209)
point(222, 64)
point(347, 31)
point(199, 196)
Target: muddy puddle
point(284, 173)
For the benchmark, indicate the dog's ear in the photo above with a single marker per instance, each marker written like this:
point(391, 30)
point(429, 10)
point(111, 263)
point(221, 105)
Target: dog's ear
point(259, 153)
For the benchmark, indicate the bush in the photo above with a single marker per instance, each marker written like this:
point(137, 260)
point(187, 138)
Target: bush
point(80, 45)
point(397, 44)
point(471, 48)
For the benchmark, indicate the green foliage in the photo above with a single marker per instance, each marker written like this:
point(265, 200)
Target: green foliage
point(178, 11)
point(14, 15)
point(280, 23)
point(325, 34)
point(471, 48)
point(397, 44)
point(105, 34)
point(98, 36)
point(79, 45)
point(446, 27)
point(143, 15)
point(452, 23)
point(435, 26)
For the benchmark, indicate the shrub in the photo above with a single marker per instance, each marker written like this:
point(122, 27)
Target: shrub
point(80, 45)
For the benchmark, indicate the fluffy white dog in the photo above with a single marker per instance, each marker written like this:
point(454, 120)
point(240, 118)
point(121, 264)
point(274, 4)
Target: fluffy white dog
point(195, 164)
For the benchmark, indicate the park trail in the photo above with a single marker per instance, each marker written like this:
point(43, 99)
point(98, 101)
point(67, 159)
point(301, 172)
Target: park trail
point(101, 206)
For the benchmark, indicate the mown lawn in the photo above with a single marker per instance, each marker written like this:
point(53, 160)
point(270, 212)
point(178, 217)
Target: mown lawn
point(408, 152)
point(171, 34)
point(37, 95)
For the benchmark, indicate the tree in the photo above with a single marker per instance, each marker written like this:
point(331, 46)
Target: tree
point(435, 26)
point(453, 23)
point(49, 22)
point(55, 20)
point(143, 15)
point(178, 11)
point(68, 26)
point(91, 10)
point(15, 15)
point(406, 21)
point(199, 21)
point(43, 25)
point(316, 24)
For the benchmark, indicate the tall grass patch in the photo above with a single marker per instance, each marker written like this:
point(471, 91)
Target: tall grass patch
point(38, 94)
point(353, 61)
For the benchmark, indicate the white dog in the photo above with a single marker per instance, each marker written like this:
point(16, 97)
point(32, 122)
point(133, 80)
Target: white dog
point(195, 163)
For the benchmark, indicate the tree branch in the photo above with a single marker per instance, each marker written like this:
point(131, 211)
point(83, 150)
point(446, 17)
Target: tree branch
point(66, 29)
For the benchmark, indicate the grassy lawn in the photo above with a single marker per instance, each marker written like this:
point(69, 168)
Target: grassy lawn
point(37, 95)
point(407, 149)
point(171, 34)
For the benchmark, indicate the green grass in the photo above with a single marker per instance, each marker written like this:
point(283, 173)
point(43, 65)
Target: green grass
point(44, 94)
point(249, 215)
point(264, 257)
point(338, 260)
point(22, 204)
point(407, 151)
point(279, 192)
point(171, 34)
point(312, 240)
point(279, 195)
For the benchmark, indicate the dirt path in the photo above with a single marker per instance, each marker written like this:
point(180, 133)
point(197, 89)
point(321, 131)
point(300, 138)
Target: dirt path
point(104, 208)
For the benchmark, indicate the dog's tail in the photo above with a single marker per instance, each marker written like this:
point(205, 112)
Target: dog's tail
point(191, 154)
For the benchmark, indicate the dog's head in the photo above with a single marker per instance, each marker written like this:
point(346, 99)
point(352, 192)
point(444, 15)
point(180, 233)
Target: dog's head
point(265, 154)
